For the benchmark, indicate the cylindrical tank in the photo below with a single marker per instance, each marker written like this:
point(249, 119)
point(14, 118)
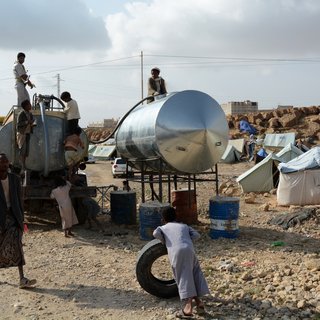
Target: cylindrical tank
point(51, 132)
point(185, 203)
point(150, 217)
point(187, 130)
point(123, 207)
point(224, 214)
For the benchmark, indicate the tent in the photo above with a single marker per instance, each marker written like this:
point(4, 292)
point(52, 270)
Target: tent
point(233, 151)
point(263, 177)
point(92, 148)
point(104, 152)
point(230, 155)
point(279, 140)
point(299, 182)
point(289, 152)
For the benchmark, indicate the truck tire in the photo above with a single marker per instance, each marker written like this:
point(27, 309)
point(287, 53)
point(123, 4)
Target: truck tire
point(157, 287)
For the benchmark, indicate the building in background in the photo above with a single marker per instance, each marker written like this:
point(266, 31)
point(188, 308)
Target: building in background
point(239, 107)
point(105, 123)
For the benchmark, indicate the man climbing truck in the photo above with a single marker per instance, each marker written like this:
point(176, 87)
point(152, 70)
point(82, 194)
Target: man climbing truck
point(46, 158)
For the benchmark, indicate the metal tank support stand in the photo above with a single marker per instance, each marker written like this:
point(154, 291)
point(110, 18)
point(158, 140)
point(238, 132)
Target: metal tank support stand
point(147, 175)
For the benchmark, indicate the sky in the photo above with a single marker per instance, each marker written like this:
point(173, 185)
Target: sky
point(266, 51)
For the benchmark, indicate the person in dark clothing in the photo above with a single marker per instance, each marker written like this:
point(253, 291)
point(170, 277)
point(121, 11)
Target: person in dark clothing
point(93, 209)
point(25, 124)
point(156, 84)
point(11, 222)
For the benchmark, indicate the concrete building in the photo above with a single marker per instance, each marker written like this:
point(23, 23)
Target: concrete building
point(243, 107)
point(105, 123)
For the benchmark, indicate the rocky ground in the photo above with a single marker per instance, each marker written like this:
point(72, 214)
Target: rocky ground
point(266, 273)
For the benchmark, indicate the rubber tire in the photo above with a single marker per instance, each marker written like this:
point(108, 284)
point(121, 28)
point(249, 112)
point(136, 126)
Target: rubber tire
point(157, 287)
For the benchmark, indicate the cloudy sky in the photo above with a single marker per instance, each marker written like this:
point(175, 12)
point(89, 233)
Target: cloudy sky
point(260, 50)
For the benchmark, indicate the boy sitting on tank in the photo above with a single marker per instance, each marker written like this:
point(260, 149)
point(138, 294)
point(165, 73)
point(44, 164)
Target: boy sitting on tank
point(73, 147)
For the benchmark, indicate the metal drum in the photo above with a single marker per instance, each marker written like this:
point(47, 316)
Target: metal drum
point(188, 130)
point(123, 207)
point(185, 203)
point(224, 213)
point(150, 217)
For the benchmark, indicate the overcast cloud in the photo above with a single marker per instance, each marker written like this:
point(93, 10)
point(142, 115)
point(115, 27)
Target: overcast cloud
point(50, 25)
point(277, 28)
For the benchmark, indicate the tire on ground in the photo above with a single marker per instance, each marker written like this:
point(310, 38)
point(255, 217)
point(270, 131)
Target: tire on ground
point(157, 287)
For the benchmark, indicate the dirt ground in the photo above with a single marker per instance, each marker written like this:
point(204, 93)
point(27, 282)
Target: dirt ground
point(265, 273)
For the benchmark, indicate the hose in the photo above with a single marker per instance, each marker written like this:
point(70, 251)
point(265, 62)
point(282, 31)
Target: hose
point(111, 135)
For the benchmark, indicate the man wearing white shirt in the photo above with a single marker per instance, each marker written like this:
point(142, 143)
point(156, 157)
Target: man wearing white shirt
point(22, 79)
point(72, 111)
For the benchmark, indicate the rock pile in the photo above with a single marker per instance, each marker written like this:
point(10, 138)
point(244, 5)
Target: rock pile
point(305, 122)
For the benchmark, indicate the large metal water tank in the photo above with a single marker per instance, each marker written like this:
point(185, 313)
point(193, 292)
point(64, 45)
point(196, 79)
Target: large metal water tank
point(188, 130)
point(46, 142)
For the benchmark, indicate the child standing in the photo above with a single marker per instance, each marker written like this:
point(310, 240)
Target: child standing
point(73, 147)
point(67, 213)
point(178, 237)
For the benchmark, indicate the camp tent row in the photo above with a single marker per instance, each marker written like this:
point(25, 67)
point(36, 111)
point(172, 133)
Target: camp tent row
point(295, 174)
point(264, 176)
point(299, 182)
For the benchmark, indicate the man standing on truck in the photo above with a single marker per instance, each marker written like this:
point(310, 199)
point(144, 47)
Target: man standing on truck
point(71, 110)
point(11, 222)
point(22, 79)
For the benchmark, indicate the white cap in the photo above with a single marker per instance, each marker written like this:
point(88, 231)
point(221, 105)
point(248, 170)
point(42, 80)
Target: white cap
point(156, 68)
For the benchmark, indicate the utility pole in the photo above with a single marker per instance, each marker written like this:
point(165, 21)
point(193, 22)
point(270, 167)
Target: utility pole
point(141, 64)
point(58, 85)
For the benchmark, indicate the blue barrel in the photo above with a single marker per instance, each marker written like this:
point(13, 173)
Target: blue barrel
point(123, 207)
point(224, 213)
point(150, 217)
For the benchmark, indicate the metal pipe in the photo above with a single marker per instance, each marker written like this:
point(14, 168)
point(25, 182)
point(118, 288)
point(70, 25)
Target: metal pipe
point(46, 140)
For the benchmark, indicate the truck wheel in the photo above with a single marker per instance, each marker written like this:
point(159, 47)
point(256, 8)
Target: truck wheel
point(80, 210)
point(157, 287)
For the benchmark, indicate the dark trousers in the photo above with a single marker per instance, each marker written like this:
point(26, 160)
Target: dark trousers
point(72, 125)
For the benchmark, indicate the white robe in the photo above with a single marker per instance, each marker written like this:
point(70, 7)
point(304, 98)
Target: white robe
point(67, 213)
point(185, 266)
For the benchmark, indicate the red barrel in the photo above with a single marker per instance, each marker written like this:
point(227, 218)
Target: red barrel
point(185, 203)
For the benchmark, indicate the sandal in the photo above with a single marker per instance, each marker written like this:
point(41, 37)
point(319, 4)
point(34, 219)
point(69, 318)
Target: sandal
point(200, 310)
point(26, 283)
point(182, 315)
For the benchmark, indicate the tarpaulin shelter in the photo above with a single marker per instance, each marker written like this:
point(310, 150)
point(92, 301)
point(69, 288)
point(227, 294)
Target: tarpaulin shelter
point(263, 177)
point(233, 151)
point(289, 152)
point(299, 182)
point(247, 127)
point(103, 152)
point(279, 140)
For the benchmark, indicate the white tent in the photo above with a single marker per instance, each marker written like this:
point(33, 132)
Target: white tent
point(299, 182)
point(92, 148)
point(263, 177)
point(104, 152)
point(238, 144)
point(233, 151)
point(279, 140)
point(289, 152)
